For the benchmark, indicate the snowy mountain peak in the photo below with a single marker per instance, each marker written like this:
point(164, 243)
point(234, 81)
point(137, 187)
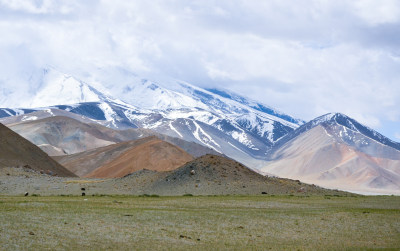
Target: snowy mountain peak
point(328, 117)
point(343, 128)
point(58, 88)
point(51, 87)
point(236, 126)
point(336, 151)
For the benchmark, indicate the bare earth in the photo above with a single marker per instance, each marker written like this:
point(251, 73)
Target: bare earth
point(154, 154)
point(118, 160)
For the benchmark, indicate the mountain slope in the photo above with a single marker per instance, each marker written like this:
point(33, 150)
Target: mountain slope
point(59, 132)
point(228, 123)
point(63, 135)
point(120, 159)
point(16, 151)
point(336, 151)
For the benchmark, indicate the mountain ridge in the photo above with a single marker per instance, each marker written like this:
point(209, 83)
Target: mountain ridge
point(234, 125)
point(60, 132)
point(343, 120)
point(336, 151)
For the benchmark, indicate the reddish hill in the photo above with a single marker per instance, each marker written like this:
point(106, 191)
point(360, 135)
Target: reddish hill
point(120, 159)
point(154, 154)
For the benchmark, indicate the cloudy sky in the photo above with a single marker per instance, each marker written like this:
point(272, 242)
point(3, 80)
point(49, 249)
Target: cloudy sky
point(305, 57)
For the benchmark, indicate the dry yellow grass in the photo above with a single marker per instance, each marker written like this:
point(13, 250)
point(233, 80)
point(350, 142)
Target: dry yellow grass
point(205, 222)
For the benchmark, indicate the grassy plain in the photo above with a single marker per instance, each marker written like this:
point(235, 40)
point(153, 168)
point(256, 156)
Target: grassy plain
point(200, 222)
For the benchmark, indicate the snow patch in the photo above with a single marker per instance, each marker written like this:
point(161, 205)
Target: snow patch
point(9, 113)
point(152, 126)
point(18, 112)
point(50, 112)
point(235, 147)
point(174, 129)
point(109, 114)
point(204, 138)
point(29, 118)
point(242, 138)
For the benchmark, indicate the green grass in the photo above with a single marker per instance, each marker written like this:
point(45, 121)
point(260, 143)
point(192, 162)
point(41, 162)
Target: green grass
point(200, 222)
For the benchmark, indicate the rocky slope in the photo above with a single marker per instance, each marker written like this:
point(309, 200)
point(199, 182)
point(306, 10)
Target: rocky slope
point(212, 174)
point(15, 151)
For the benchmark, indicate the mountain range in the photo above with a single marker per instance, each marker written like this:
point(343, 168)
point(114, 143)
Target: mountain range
point(66, 115)
point(336, 151)
point(225, 122)
point(59, 132)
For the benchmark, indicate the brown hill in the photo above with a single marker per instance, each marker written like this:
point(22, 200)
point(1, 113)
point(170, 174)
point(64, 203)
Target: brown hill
point(15, 151)
point(120, 159)
point(212, 174)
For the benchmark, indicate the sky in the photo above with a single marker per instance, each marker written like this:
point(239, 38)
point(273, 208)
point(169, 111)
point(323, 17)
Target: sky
point(305, 58)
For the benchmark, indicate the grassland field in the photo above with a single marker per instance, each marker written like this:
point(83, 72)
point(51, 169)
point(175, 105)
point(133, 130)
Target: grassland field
point(200, 223)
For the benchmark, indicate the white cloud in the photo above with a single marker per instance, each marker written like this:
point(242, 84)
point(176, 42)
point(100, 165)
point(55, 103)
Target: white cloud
point(378, 12)
point(39, 7)
point(306, 58)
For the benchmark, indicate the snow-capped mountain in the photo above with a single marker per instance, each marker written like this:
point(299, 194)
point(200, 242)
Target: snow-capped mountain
point(228, 123)
point(54, 88)
point(336, 151)
point(333, 150)
point(347, 131)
